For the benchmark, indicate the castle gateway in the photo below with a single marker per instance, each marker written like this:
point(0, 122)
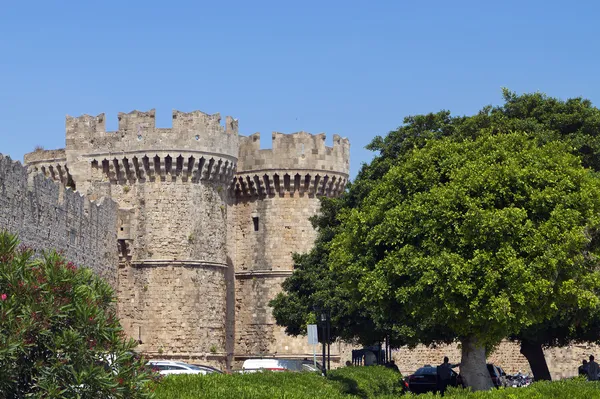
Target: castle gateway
point(206, 225)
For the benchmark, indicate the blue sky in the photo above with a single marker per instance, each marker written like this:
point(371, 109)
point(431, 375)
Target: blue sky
point(354, 68)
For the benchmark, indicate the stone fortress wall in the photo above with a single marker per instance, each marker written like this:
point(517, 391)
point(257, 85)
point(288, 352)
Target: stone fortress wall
point(47, 215)
point(194, 277)
point(277, 191)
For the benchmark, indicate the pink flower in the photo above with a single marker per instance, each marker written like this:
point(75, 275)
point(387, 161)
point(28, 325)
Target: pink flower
point(3, 297)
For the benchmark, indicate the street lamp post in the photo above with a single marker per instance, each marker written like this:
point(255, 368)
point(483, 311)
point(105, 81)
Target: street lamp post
point(324, 337)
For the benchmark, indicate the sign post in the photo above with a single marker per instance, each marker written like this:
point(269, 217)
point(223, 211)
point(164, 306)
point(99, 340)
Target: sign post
point(313, 339)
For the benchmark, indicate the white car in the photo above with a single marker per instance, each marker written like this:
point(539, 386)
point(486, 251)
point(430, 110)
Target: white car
point(168, 367)
point(275, 364)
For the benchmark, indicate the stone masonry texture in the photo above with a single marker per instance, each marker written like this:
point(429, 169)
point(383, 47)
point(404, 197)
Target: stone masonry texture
point(206, 224)
point(48, 216)
point(199, 231)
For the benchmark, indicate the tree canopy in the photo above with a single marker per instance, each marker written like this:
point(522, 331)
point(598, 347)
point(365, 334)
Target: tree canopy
point(573, 125)
point(484, 236)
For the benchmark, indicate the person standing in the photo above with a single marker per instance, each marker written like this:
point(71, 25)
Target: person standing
point(583, 369)
point(593, 369)
point(444, 375)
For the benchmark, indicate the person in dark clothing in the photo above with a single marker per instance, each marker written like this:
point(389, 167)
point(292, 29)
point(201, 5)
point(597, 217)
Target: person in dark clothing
point(392, 365)
point(593, 369)
point(444, 375)
point(583, 369)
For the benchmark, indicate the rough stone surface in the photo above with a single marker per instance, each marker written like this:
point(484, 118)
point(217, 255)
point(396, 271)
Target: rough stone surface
point(186, 224)
point(174, 309)
point(45, 215)
point(562, 362)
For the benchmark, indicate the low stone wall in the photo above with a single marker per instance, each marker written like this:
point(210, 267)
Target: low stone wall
point(47, 216)
point(562, 362)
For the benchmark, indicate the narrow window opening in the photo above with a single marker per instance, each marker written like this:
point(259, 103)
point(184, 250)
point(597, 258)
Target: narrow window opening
point(255, 221)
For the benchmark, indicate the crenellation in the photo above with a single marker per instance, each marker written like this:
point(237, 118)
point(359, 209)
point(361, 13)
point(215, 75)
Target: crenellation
point(137, 122)
point(82, 129)
point(137, 131)
point(295, 151)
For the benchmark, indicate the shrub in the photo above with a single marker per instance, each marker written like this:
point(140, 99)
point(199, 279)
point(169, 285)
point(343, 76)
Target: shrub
point(267, 385)
point(346, 383)
point(350, 382)
point(59, 335)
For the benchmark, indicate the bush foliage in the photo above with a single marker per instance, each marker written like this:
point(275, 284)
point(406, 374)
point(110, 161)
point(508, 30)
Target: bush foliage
point(59, 335)
point(346, 383)
point(362, 382)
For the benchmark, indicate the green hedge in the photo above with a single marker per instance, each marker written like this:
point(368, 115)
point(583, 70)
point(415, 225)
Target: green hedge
point(345, 383)
point(563, 389)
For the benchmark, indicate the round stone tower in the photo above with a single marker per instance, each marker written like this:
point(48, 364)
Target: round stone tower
point(172, 187)
point(204, 240)
point(276, 192)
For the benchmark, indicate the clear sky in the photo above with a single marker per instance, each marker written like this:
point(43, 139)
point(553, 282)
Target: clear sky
point(355, 68)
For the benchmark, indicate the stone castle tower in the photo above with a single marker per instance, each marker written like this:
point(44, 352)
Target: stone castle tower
point(206, 225)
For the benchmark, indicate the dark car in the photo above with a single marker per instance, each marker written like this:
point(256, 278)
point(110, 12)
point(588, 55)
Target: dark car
point(425, 380)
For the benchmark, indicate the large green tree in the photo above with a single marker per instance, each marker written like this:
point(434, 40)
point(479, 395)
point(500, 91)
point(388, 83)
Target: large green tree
point(483, 236)
point(574, 121)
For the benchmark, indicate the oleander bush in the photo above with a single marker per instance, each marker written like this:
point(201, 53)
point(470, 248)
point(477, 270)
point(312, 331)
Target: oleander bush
point(59, 334)
point(346, 383)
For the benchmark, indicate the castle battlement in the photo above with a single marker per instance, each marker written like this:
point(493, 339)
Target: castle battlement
point(161, 166)
point(290, 182)
point(193, 131)
point(296, 151)
point(50, 163)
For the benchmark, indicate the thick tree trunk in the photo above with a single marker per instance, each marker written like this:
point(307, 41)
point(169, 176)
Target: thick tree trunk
point(473, 367)
point(537, 361)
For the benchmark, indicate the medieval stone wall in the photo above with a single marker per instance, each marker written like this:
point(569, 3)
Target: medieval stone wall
point(176, 309)
point(562, 362)
point(206, 226)
point(45, 215)
point(276, 193)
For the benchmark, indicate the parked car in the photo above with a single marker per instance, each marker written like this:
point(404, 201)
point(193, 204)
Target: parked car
point(209, 369)
point(276, 364)
point(168, 367)
point(425, 379)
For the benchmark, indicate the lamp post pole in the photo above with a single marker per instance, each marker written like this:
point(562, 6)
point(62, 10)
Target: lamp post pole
point(328, 341)
point(324, 335)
